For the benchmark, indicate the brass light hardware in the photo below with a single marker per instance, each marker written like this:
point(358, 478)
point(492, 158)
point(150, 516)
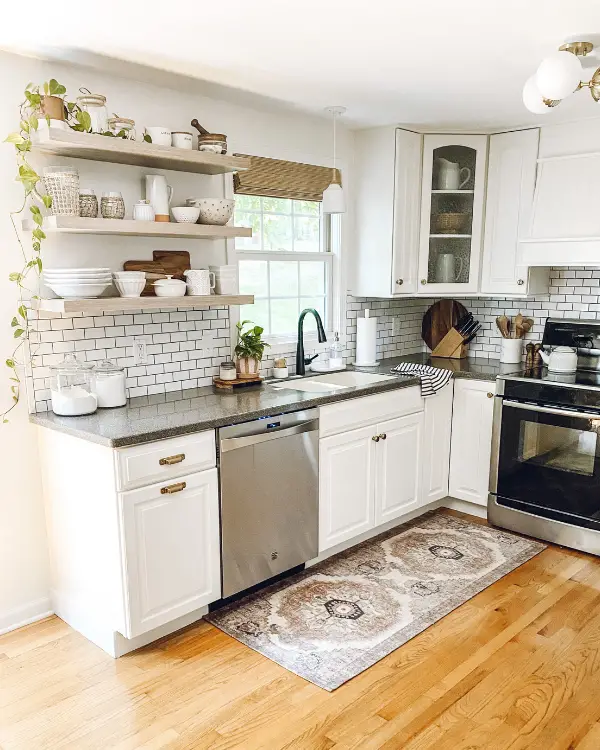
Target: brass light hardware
point(423, 281)
point(375, 438)
point(577, 48)
point(399, 282)
point(383, 436)
point(173, 488)
point(520, 282)
point(490, 395)
point(171, 460)
point(580, 49)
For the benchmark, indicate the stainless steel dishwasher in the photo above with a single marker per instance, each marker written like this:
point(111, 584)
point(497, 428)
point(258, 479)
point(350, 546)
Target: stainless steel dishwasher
point(269, 475)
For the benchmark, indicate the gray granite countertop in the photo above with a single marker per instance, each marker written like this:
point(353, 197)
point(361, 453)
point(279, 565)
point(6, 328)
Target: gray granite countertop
point(148, 418)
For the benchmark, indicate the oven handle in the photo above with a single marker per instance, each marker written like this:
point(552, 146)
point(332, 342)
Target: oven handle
point(551, 410)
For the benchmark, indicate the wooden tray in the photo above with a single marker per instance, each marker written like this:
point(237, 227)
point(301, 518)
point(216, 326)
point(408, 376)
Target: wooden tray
point(230, 385)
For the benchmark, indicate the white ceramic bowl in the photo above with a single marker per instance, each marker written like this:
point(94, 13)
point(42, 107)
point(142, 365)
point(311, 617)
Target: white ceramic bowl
point(130, 287)
point(129, 275)
point(77, 279)
point(185, 214)
point(169, 288)
point(216, 211)
point(79, 290)
point(76, 271)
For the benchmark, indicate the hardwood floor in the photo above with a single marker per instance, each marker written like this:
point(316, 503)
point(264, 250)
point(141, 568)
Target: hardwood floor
point(518, 666)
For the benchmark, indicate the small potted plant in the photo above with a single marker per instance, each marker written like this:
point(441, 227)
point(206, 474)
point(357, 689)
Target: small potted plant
point(249, 349)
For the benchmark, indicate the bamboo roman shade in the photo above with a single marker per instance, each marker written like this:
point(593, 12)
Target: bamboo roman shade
point(276, 178)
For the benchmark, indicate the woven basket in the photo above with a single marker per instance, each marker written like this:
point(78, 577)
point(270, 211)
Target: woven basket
point(62, 185)
point(112, 208)
point(88, 206)
point(451, 223)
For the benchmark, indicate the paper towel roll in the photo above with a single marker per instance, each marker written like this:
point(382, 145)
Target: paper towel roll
point(366, 340)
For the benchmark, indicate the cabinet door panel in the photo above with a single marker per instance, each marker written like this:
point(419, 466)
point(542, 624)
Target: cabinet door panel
point(171, 551)
point(511, 182)
point(435, 459)
point(346, 486)
point(398, 461)
point(471, 440)
point(407, 205)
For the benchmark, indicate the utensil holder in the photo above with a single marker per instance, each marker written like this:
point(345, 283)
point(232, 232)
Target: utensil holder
point(512, 351)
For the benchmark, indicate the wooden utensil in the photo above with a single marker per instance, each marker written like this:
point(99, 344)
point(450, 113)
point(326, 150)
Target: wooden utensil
point(518, 327)
point(526, 326)
point(175, 262)
point(503, 326)
point(441, 317)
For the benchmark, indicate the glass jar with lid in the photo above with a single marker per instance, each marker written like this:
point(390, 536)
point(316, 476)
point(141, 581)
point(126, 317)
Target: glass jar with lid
point(72, 387)
point(227, 370)
point(95, 106)
point(110, 384)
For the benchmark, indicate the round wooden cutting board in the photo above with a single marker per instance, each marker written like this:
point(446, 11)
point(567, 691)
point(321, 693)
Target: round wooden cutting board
point(439, 319)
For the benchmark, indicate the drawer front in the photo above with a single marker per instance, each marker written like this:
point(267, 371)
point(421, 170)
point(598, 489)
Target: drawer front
point(165, 459)
point(359, 412)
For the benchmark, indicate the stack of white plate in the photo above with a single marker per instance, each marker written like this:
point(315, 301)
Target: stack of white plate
point(226, 279)
point(78, 283)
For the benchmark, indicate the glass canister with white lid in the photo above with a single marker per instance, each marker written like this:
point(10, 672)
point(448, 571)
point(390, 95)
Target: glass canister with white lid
point(110, 384)
point(72, 388)
point(95, 106)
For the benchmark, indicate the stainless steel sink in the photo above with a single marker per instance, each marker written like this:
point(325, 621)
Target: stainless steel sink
point(334, 381)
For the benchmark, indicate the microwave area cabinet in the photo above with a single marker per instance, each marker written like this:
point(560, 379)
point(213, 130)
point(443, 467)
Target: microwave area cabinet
point(129, 566)
point(420, 231)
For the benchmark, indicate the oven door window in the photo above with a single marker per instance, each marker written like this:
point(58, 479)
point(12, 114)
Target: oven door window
point(550, 461)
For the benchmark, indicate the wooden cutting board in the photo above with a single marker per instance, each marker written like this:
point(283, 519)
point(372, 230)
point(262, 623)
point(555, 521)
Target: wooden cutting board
point(439, 319)
point(152, 270)
point(175, 262)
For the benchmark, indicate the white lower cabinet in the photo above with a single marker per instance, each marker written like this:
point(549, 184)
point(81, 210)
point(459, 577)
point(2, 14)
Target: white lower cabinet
point(170, 537)
point(435, 453)
point(471, 440)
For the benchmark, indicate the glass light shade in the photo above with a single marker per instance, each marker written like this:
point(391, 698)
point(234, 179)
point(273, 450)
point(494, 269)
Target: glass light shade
point(533, 99)
point(334, 201)
point(558, 75)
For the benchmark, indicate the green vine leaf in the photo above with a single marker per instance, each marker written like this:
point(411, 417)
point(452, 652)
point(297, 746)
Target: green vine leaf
point(39, 234)
point(11, 363)
point(22, 310)
point(14, 138)
point(33, 122)
point(47, 199)
point(14, 322)
point(15, 277)
point(18, 333)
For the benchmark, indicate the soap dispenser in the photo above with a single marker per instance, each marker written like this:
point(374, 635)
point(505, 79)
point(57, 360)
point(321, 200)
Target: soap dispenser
point(336, 359)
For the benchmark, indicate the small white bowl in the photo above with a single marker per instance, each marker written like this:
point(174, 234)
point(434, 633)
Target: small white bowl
point(169, 287)
point(79, 290)
point(131, 287)
point(185, 214)
point(129, 275)
point(216, 211)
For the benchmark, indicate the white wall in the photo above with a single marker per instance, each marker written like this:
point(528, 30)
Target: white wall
point(23, 554)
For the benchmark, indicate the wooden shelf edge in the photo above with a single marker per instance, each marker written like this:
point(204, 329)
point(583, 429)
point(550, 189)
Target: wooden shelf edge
point(114, 304)
point(132, 228)
point(118, 151)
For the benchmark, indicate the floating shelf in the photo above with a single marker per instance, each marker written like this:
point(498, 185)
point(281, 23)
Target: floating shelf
point(453, 192)
point(114, 304)
point(451, 236)
point(129, 227)
point(76, 145)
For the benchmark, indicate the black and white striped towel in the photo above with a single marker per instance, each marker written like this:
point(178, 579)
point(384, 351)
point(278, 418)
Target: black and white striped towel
point(432, 378)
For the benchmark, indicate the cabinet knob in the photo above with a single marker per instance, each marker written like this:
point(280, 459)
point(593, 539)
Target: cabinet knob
point(383, 436)
point(399, 282)
point(423, 281)
point(375, 438)
point(520, 282)
point(490, 395)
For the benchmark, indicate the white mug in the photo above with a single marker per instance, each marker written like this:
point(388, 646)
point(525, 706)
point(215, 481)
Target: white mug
point(200, 282)
point(181, 140)
point(160, 136)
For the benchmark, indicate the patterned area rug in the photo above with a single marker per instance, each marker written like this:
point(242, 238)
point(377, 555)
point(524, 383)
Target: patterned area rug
point(336, 619)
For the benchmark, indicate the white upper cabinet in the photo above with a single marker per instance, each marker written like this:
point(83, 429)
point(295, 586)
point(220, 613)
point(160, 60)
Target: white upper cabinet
point(388, 196)
point(510, 187)
point(452, 197)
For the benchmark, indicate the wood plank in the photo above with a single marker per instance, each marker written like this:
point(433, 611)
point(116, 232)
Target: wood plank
point(114, 304)
point(132, 228)
point(140, 154)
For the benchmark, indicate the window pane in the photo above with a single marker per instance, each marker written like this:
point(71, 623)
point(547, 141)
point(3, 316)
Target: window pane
point(310, 324)
point(277, 205)
point(243, 219)
point(307, 234)
point(247, 202)
point(284, 278)
point(312, 278)
point(284, 315)
point(278, 232)
point(258, 313)
point(312, 208)
point(253, 277)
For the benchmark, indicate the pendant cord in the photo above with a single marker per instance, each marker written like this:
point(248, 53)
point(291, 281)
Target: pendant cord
point(334, 142)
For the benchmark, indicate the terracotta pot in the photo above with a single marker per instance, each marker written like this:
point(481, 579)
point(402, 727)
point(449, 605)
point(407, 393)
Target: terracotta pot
point(247, 367)
point(53, 107)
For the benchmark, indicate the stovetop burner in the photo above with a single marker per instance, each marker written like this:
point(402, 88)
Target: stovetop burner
point(580, 378)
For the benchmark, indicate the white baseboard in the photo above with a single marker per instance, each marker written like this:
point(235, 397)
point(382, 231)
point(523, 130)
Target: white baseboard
point(25, 615)
point(473, 509)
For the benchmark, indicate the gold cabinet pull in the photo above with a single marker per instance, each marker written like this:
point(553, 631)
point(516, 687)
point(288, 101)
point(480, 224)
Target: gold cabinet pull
point(170, 460)
point(172, 488)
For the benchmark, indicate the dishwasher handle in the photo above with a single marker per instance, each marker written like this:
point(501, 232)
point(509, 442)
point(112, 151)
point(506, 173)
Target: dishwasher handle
point(230, 444)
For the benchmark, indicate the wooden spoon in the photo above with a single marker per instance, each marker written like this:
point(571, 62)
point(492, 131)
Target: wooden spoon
point(519, 326)
point(526, 326)
point(503, 323)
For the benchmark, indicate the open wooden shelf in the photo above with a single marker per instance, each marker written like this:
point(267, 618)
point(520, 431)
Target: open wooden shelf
point(76, 145)
point(114, 304)
point(129, 227)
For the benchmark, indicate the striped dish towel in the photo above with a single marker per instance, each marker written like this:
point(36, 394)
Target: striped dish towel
point(432, 378)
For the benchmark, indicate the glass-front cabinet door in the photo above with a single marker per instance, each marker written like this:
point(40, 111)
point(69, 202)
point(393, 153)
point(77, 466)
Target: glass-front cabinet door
point(452, 200)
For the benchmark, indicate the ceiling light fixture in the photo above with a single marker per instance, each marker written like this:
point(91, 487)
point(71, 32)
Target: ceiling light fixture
point(558, 76)
point(334, 201)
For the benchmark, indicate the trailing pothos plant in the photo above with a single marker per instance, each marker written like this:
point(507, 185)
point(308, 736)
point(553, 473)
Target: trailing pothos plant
point(30, 113)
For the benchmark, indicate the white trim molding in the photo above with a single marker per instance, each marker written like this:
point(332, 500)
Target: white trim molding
point(17, 618)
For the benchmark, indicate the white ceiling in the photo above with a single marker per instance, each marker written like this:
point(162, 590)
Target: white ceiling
point(428, 63)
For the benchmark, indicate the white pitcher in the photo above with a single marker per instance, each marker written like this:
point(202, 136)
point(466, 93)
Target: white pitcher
point(449, 175)
point(159, 194)
point(446, 272)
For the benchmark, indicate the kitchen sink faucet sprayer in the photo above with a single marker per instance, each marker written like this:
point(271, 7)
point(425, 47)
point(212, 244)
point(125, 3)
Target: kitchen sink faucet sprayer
point(301, 360)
